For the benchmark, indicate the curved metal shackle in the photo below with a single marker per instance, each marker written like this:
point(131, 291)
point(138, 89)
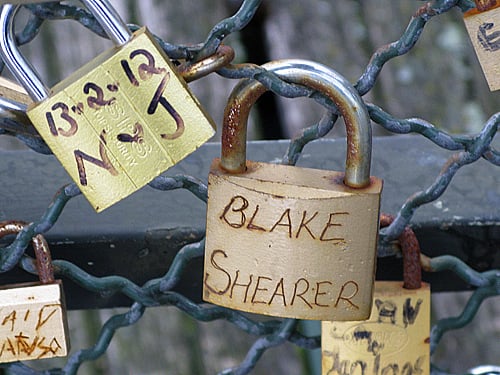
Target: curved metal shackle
point(43, 259)
point(314, 76)
point(24, 72)
point(12, 109)
point(410, 248)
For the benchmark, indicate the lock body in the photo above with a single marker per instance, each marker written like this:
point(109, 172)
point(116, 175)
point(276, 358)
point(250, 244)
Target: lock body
point(13, 103)
point(121, 120)
point(33, 322)
point(13, 91)
point(484, 32)
point(394, 340)
point(291, 242)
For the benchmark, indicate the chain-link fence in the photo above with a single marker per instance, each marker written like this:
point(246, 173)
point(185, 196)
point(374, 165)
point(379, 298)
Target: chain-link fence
point(160, 291)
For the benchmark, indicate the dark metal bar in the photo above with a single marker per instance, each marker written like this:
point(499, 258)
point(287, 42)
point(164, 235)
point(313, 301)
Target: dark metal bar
point(139, 237)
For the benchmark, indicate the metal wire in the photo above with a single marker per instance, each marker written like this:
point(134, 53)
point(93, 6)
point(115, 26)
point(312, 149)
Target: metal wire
point(271, 333)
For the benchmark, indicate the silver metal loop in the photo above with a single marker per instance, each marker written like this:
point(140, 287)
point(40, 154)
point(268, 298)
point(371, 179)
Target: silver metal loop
point(107, 16)
point(21, 69)
point(24, 71)
point(13, 110)
point(317, 77)
point(484, 370)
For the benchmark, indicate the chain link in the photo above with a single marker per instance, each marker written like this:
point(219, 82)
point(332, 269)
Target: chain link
point(468, 149)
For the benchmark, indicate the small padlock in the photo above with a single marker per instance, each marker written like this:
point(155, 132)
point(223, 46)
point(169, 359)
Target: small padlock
point(483, 26)
point(12, 91)
point(120, 120)
point(33, 315)
point(13, 104)
point(395, 340)
point(11, 109)
point(287, 241)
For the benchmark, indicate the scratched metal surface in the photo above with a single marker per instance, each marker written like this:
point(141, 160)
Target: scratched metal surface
point(138, 237)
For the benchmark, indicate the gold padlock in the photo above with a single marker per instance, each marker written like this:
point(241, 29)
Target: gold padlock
point(33, 315)
point(395, 339)
point(287, 241)
point(120, 120)
point(483, 26)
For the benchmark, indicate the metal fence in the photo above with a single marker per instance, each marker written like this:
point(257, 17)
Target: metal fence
point(164, 290)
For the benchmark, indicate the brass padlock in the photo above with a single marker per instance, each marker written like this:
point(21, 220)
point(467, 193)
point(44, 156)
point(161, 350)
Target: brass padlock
point(395, 339)
point(287, 241)
point(120, 120)
point(33, 315)
point(483, 26)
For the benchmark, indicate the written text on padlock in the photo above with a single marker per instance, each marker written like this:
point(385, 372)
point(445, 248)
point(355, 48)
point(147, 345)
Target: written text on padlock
point(125, 119)
point(32, 322)
point(394, 340)
point(484, 32)
point(277, 247)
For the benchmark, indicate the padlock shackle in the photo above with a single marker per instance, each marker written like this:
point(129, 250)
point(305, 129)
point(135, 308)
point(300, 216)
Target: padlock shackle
point(12, 109)
point(107, 16)
point(44, 265)
point(410, 249)
point(314, 76)
point(23, 70)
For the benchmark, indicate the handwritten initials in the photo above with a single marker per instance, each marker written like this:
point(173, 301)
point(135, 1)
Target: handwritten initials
point(489, 41)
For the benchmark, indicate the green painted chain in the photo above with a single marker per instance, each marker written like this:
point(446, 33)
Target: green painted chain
point(159, 291)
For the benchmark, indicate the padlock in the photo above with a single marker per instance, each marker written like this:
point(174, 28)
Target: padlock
point(15, 122)
point(483, 26)
point(395, 340)
point(11, 109)
point(13, 104)
point(120, 120)
point(33, 321)
point(287, 241)
point(12, 91)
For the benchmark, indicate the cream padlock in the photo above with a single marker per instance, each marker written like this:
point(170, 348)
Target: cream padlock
point(288, 241)
point(12, 91)
point(395, 339)
point(483, 26)
point(13, 104)
point(33, 321)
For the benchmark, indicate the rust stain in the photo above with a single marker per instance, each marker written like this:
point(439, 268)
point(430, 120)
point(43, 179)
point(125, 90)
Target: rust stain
point(484, 5)
point(40, 246)
point(412, 270)
point(231, 137)
point(234, 126)
point(490, 5)
point(425, 9)
point(191, 71)
point(11, 227)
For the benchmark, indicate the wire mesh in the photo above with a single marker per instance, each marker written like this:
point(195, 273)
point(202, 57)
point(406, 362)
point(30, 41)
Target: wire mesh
point(466, 150)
